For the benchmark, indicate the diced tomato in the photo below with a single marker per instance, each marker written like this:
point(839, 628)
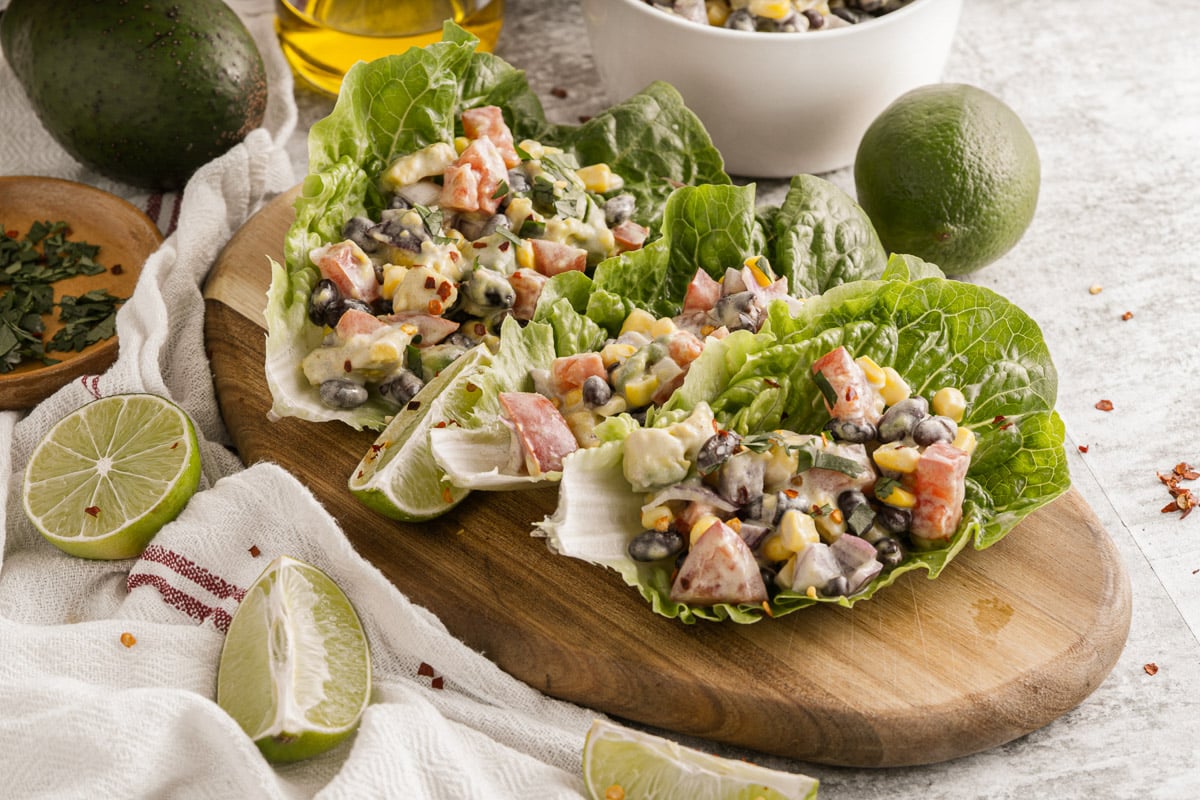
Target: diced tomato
point(485, 161)
point(528, 285)
point(543, 433)
point(488, 122)
point(940, 487)
point(702, 293)
point(349, 268)
point(856, 398)
point(460, 188)
point(355, 321)
point(684, 347)
point(569, 372)
point(628, 235)
point(551, 258)
point(431, 329)
point(719, 568)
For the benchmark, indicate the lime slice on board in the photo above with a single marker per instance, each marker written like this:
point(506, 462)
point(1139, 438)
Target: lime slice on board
point(295, 670)
point(108, 475)
point(624, 764)
point(398, 476)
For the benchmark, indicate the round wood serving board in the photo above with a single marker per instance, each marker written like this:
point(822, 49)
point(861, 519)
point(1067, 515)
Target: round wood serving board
point(1003, 643)
point(125, 236)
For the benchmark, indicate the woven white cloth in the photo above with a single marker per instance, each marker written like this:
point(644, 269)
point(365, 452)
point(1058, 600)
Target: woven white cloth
point(84, 715)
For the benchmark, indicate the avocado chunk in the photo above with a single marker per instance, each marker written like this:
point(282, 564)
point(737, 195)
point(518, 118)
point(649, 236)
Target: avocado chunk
point(143, 92)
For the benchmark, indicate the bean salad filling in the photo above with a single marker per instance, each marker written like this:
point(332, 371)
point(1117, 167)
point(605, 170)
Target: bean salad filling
point(470, 233)
point(778, 16)
point(745, 517)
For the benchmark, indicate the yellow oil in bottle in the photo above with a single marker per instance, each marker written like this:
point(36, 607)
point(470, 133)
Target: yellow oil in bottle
point(322, 39)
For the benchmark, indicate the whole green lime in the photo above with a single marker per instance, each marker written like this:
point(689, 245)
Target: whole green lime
point(949, 173)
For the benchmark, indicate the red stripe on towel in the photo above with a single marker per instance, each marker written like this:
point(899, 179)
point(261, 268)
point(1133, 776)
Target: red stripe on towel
point(154, 207)
point(194, 572)
point(182, 601)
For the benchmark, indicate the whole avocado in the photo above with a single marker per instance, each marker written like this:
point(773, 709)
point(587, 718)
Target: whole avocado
point(143, 91)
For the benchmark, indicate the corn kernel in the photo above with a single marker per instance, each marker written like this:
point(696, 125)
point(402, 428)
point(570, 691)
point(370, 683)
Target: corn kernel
point(640, 392)
point(638, 320)
point(875, 374)
point(461, 143)
point(829, 527)
point(775, 550)
point(662, 327)
point(533, 147)
point(392, 277)
point(599, 178)
point(949, 402)
point(896, 457)
point(717, 11)
point(657, 518)
point(616, 352)
point(965, 440)
point(519, 209)
point(384, 351)
point(797, 530)
point(573, 398)
point(701, 526)
point(783, 578)
point(894, 388)
point(760, 277)
point(900, 498)
point(525, 254)
point(771, 9)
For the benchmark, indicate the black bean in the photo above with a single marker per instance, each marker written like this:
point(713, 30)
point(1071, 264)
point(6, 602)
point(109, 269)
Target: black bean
point(815, 20)
point(740, 20)
point(596, 391)
point(402, 387)
point(400, 202)
point(340, 393)
point(768, 575)
point(325, 303)
point(849, 430)
point(837, 587)
point(889, 551)
point(618, 209)
point(935, 429)
point(518, 182)
point(716, 450)
point(395, 233)
point(899, 420)
point(892, 519)
point(655, 545)
point(856, 511)
point(853, 17)
point(356, 229)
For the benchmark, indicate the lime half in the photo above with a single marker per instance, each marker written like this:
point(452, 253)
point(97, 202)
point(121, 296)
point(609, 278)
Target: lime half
point(624, 764)
point(295, 670)
point(110, 474)
point(398, 476)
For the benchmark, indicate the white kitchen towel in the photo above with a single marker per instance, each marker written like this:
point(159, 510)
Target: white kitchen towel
point(86, 715)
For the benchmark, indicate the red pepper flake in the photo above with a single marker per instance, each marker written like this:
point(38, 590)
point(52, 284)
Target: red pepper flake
point(1104, 405)
point(254, 551)
point(435, 307)
point(1083, 448)
point(1128, 315)
point(360, 474)
point(447, 496)
point(584, 118)
point(375, 448)
point(472, 387)
point(440, 423)
point(851, 394)
point(438, 682)
point(774, 384)
point(454, 256)
point(504, 246)
point(116, 269)
point(999, 418)
point(1182, 498)
point(413, 405)
point(1005, 426)
point(346, 365)
point(559, 92)
point(1151, 668)
point(479, 245)
point(480, 329)
point(444, 290)
point(176, 444)
point(128, 639)
point(791, 493)
point(425, 670)
point(92, 511)
point(430, 282)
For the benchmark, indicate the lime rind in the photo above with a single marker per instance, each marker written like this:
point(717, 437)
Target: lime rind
point(644, 765)
point(108, 476)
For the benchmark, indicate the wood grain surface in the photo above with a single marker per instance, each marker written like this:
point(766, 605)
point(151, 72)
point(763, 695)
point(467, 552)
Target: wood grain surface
point(1003, 643)
point(126, 237)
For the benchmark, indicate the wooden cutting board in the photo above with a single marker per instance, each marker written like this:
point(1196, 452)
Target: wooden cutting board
point(1003, 643)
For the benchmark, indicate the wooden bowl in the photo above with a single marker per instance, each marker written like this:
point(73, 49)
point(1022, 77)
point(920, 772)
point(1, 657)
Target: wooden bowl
point(126, 237)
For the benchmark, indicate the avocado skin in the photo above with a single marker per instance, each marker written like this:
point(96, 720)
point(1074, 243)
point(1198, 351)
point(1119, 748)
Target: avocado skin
point(143, 91)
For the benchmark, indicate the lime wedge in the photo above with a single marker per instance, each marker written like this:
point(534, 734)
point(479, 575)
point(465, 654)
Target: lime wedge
point(105, 478)
point(295, 670)
point(398, 476)
point(624, 764)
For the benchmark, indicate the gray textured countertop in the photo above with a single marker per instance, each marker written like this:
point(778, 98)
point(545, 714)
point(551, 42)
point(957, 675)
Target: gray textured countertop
point(1111, 93)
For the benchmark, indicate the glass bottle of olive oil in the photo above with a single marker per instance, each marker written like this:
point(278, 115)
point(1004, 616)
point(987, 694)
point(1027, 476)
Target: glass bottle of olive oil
point(324, 38)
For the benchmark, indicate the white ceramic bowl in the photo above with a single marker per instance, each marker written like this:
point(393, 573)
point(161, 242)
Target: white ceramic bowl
point(775, 104)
